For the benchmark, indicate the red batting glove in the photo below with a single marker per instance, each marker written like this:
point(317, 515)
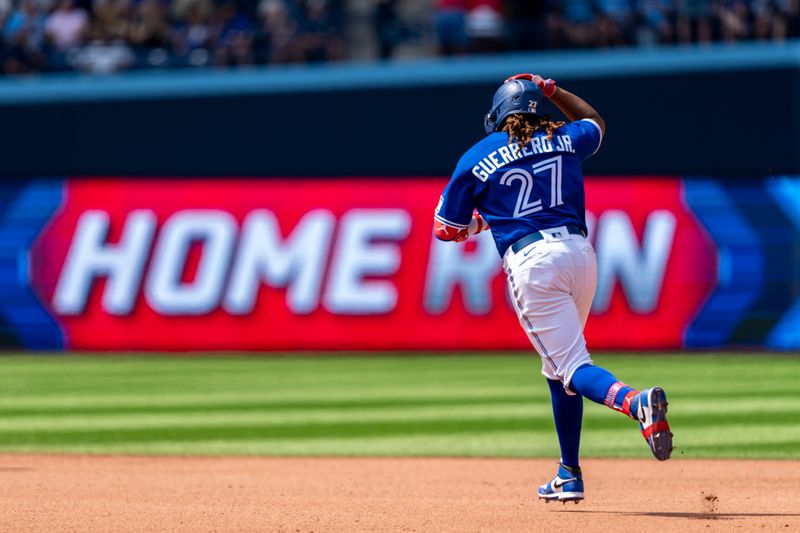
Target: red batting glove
point(477, 224)
point(547, 86)
point(444, 232)
point(523, 76)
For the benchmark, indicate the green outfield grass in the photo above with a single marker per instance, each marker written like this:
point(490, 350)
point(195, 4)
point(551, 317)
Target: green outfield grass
point(720, 405)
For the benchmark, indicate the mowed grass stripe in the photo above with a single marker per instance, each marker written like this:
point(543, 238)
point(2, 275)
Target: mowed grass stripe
point(294, 401)
point(774, 443)
point(534, 391)
point(197, 433)
point(207, 405)
point(496, 405)
point(277, 377)
point(206, 374)
point(688, 413)
point(376, 426)
point(721, 402)
point(263, 417)
point(479, 444)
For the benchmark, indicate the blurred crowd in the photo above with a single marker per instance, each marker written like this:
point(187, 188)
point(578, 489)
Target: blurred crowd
point(605, 23)
point(106, 36)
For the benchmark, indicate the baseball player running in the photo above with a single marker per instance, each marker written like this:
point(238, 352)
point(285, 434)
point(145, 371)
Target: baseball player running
point(524, 181)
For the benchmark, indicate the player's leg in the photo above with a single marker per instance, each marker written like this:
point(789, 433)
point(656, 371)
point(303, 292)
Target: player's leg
point(594, 382)
point(551, 296)
point(601, 386)
point(568, 415)
point(567, 485)
point(540, 285)
point(584, 276)
point(549, 317)
point(648, 407)
point(552, 292)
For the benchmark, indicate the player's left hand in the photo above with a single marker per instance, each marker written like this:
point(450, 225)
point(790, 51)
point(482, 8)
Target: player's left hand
point(547, 86)
point(477, 224)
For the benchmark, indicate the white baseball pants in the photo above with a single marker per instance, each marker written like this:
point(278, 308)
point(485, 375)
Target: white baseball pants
point(552, 284)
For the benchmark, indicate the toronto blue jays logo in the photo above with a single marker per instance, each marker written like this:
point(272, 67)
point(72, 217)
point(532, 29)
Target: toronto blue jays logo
point(532, 106)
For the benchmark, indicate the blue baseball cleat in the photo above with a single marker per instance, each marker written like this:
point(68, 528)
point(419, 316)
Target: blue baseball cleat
point(567, 486)
point(652, 415)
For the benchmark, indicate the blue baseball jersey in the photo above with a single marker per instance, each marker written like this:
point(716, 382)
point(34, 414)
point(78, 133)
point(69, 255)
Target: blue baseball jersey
point(520, 191)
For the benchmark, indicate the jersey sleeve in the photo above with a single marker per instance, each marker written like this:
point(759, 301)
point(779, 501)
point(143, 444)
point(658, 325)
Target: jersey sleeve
point(586, 137)
point(457, 201)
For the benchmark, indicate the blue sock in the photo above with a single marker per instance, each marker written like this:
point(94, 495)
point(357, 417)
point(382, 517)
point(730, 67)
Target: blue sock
point(601, 386)
point(568, 414)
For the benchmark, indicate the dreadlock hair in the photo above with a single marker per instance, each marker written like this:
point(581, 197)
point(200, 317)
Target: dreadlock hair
point(520, 128)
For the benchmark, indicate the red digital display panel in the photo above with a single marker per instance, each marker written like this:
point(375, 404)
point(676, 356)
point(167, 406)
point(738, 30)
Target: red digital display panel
point(322, 264)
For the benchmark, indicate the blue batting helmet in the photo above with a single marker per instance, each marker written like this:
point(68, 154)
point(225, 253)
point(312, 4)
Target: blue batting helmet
point(514, 96)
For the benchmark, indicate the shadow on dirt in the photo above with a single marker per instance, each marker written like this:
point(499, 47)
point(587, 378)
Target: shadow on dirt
point(693, 516)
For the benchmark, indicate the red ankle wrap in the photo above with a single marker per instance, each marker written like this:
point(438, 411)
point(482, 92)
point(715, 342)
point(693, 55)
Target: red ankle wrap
point(611, 395)
point(626, 403)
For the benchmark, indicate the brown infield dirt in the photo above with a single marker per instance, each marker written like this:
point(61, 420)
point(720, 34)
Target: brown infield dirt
point(124, 493)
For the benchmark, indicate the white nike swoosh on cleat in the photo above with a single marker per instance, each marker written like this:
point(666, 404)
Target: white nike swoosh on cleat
point(557, 485)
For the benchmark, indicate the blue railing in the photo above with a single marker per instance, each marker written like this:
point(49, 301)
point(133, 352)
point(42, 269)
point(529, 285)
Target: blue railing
point(397, 74)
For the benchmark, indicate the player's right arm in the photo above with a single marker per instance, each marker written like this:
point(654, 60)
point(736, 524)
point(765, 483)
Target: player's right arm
point(573, 106)
point(576, 108)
